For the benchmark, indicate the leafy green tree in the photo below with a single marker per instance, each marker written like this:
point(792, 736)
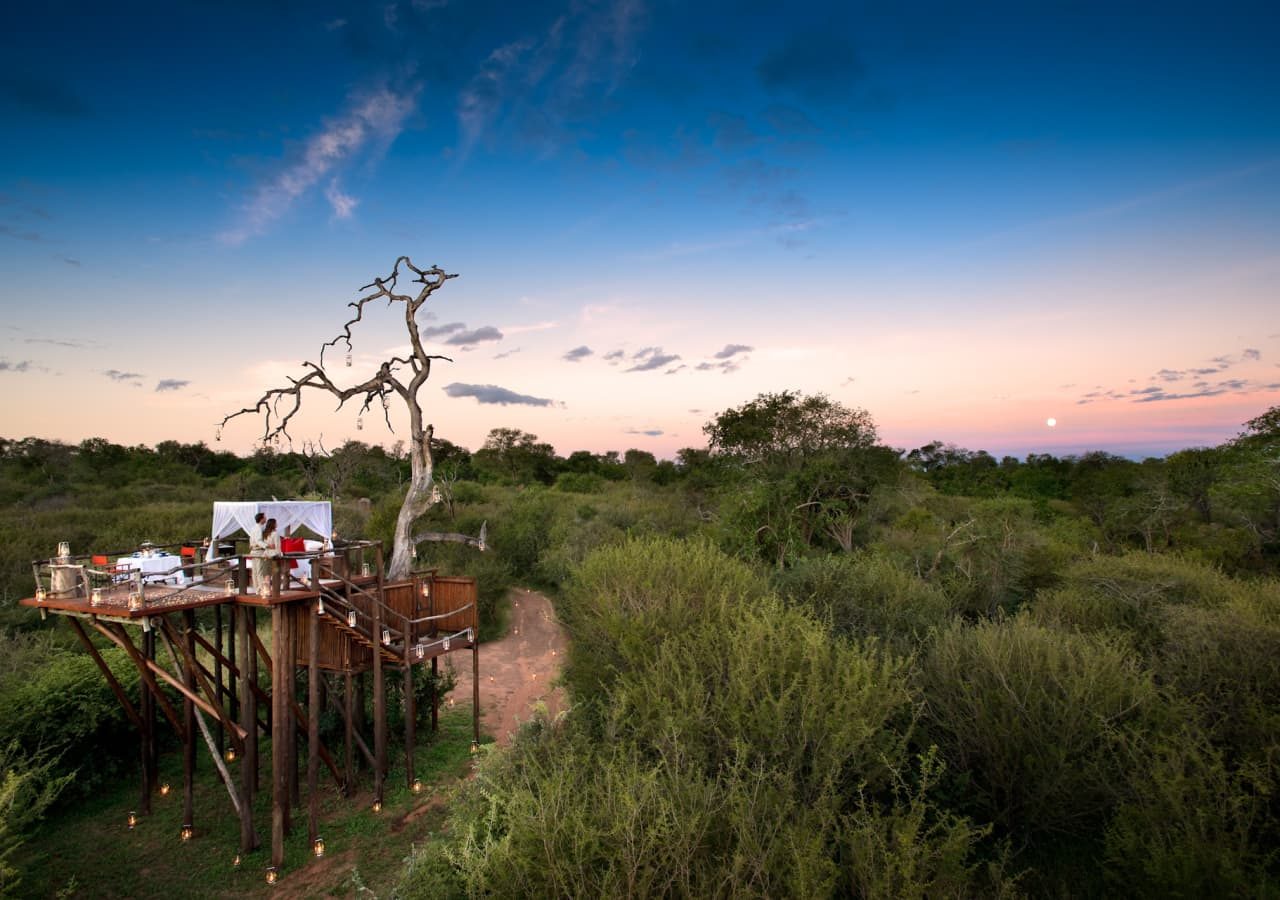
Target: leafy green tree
point(510, 454)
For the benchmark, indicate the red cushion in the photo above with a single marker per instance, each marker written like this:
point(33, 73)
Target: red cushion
point(292, 545)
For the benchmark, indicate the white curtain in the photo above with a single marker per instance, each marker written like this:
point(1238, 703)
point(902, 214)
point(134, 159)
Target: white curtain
point(290, 515)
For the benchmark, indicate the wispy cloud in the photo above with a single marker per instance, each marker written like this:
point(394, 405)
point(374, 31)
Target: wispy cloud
point(372, 121)
point(506, 353)
point(23, 234)
point(647, 432)
point(437, 330)
point(535, 86)
point(343, 203)
point(59, 342)
point(134, 378)
point(491, 393)
point(477, 336)
point(732, 350)
point(170, 384)
point(577, 354)
point(651, 358)
point(22, 366)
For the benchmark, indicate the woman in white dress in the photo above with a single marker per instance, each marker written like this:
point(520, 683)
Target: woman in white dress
point(263, 549)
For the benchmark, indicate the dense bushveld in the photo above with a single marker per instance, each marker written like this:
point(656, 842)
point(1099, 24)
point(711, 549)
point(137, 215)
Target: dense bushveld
point(802, 663)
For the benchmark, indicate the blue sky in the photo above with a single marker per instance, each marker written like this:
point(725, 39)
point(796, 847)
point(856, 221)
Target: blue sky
point(966, 220)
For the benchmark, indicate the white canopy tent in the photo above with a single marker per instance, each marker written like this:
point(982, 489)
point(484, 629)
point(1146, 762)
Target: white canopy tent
point(230, 517)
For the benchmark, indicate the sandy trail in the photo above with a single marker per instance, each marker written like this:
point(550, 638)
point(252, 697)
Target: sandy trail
point(518, 671)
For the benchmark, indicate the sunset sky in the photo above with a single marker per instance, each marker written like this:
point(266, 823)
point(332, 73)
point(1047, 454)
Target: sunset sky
point(966, 218)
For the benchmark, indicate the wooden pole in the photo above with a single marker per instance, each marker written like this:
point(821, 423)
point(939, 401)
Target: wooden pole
point(248, 721)
point(189, 720)
point(150, 740)
point(294, 614)
point(219, 691)
point(247, 697)
point(280, 735)
point(313, 724)
point(233, 672)
point(379, 700)
point(475, 679)
point(349, 748)
point(410, 715)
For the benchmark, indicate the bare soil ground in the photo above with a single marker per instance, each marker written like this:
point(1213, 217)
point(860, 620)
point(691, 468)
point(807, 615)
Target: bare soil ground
point(518, 671)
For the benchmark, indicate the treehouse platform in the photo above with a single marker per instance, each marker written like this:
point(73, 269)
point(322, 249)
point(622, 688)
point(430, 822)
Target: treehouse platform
point(328, 613)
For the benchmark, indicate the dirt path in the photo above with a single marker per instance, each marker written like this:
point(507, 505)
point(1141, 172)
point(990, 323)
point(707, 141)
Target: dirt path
point(517, 671)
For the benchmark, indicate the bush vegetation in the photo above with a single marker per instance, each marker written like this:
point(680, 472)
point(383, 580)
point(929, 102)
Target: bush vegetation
point(801, 663)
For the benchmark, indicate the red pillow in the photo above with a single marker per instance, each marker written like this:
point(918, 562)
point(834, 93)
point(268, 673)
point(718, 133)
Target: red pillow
point(292, 545)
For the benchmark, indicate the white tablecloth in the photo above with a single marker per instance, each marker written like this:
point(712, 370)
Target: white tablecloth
point(154, 569)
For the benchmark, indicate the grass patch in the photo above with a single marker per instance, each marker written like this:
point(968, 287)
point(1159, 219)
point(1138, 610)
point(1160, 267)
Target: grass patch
point(89, 851)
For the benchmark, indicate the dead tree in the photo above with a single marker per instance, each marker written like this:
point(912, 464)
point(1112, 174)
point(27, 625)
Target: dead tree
point(399, 376)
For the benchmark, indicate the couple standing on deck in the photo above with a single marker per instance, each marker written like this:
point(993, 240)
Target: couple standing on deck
point(264, 545)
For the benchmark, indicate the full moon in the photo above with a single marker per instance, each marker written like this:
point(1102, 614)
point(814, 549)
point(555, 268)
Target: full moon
point(1051, 422)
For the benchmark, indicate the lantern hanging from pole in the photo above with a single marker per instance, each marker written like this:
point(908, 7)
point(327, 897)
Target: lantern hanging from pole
point(348, 360)
point(351, 619)
point(318, 848)
point(64, 548)
point(386, 637)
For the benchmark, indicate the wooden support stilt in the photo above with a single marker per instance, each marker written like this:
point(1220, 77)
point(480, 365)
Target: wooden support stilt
point(294, 614)
point(348, 703)
point(475, 690)
point(146, 666)
point(280, 735)
point(313, 722)
point(147, 707)
point(133, 715)
point(189, 722)
point(379, 706)
point(410, 717)
point(218, 691)
point(248, 721)
point(248, 698)
point(193, 670)
point(233, 672)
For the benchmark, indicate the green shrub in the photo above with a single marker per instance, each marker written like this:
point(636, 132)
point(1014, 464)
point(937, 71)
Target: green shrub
point(1195, 827)
point(28, 787)
point(1038, 721)
point(767, 687)
point(580, 483)
point(912, 849)
point(1127, 594)
point(63, 709)
point(864, 595)
point(626, 600)
point(1226, 660)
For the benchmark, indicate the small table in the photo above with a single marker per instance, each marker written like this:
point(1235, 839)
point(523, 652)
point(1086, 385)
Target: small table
point(155, 569)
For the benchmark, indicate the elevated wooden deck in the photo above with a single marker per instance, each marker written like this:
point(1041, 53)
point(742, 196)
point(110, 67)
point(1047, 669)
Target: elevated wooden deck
point(332, 622)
